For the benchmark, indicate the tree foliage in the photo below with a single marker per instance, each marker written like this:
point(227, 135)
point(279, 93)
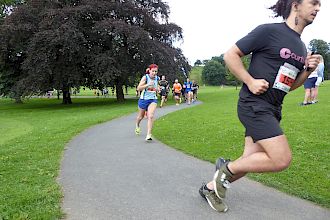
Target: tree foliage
point(6, 7)
point(219, 59)
point(198, 63)
point(71, 43)
point(214, 73)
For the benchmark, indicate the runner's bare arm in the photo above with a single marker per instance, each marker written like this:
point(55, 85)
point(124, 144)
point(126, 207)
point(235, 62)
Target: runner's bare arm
point(142, 85)
point(311, 62)
point(233, 60)
point(300, 80)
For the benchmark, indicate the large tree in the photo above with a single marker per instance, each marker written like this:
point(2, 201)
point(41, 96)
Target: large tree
point(94, 43)
point(214, 73)
point(6, 6)
point(15, 34)
point(9, 71)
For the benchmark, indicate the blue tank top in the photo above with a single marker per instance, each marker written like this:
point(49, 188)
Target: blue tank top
point(188, 86)
point(150, 92)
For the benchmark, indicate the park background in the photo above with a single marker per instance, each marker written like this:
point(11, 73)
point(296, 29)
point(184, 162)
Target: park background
point(77, 46)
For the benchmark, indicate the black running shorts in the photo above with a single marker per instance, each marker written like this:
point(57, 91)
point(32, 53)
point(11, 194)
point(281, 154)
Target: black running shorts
point(177, 94)
point(163, 92)
point(261, 121)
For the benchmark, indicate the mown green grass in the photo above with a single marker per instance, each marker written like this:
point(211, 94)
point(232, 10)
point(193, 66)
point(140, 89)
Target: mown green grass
point(212, 129)
point(33, 136)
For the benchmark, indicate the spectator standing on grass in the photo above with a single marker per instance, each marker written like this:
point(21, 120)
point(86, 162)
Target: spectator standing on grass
point(309, 86)
point(320, 78)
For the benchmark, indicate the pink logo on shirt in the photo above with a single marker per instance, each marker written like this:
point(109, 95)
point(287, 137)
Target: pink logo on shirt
point(286, 53)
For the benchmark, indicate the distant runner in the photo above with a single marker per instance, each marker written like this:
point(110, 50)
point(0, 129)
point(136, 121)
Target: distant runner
point(177, 91)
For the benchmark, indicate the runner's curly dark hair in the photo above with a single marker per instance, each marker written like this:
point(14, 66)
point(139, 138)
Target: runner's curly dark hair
point(282, 8)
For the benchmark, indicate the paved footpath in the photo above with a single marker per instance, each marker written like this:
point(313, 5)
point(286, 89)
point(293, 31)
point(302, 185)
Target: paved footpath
point(110, 173)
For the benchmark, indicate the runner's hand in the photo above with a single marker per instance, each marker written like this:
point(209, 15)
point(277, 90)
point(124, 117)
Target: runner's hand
point(258, 86)
point(312, 61)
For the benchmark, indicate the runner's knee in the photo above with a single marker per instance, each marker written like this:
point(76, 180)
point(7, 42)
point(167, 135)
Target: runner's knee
point(283, 162)
point(150, 116)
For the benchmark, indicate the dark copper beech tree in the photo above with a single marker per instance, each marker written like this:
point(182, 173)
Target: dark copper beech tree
point(67, 44)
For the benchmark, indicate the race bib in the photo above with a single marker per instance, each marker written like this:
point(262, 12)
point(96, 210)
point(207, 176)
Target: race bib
point(152, 86)
point(152, 89)
point(285, 77)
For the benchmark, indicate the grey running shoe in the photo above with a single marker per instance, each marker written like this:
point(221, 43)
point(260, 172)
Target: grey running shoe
point(212, 199)
point(219, 162)
point(221, 180)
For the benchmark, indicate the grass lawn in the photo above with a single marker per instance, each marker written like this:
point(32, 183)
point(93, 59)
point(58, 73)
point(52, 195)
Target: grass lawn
point(212, 129)
point(33, 136)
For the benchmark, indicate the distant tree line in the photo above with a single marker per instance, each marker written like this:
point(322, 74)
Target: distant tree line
point(66, 44)
point(215, 71)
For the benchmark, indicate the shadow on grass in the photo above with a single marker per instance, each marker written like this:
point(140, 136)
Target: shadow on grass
point(55, 104)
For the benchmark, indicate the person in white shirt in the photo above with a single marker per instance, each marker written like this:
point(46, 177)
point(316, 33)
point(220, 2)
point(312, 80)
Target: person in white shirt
point(320, 77)
point(309, 86)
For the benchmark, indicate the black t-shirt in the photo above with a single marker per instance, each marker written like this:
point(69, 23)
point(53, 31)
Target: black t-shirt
point(272, 46)
point(163, 84)
point(195, 86)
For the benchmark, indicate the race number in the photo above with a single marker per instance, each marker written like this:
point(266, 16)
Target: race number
point(152, 86)
point(153, 90)
point(285, 77)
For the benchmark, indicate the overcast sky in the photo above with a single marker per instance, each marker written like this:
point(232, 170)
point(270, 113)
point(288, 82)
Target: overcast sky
point(210, 27)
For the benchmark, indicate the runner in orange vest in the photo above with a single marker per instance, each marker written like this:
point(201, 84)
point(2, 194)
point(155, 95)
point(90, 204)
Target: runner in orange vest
point(177, 91)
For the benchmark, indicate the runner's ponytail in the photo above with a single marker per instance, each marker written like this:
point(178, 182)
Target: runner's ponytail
point(282, 8)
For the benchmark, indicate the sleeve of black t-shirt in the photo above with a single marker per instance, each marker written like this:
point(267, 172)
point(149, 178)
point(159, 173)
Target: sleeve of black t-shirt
point(256, 40)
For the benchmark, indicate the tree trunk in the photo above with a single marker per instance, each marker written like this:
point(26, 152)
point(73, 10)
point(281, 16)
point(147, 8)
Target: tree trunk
point(119, 92)
point(66, 96)
point(17, 97)
point(18, 100)
point(58, 94)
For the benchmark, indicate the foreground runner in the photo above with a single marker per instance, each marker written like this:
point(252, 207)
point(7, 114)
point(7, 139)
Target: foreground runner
point(148, 99)
point(277, 67)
